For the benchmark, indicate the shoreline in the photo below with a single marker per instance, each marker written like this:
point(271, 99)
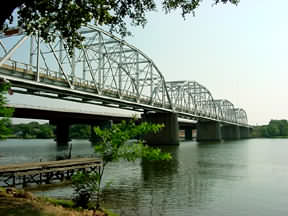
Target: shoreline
point(20, 202)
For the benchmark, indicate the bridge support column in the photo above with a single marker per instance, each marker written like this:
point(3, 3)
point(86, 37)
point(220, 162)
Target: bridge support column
point(169, 135)
point(244, 132)
point(188, 133)
point(230, 132)
point(94, 138)
point(209, 131)
point(62, 133)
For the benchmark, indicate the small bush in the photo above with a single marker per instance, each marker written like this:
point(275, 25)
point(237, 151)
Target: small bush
point(86, 186)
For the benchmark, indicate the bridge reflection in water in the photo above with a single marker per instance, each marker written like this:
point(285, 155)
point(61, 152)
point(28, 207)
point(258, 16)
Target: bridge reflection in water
point(107, 71)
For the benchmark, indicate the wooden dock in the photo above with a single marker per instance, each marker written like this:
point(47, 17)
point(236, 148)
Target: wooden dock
point(45, 172)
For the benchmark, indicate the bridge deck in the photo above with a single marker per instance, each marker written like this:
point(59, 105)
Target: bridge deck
point(78, 83)
point(45, 172)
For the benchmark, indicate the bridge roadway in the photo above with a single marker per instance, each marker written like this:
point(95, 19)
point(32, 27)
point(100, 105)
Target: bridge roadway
point(63, 118)
point(107, 71)
point(70, 116)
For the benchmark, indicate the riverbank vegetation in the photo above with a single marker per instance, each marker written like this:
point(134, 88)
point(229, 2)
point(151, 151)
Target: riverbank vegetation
point(32, 130)
point(5, 112)
point(19, 202)
point(36, 130)
point(275, 129)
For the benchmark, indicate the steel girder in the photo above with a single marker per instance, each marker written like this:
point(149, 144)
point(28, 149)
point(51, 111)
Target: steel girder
point(104, 65)
point(108, 66)
point(227, 111)
point(241, 116)
point(191, 97)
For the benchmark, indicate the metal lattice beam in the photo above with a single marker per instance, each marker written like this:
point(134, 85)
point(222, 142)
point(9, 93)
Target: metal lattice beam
point(110, 69)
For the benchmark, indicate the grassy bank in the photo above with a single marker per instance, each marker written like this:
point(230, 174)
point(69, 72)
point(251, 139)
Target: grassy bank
point(19, 202)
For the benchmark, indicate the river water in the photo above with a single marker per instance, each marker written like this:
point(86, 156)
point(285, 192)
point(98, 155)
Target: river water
point(233, 178)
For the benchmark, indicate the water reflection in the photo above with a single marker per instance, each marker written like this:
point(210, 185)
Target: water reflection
point(34, 150)
point(189, 181)
point(156, 169)
point(236, 178)
point(64, 152)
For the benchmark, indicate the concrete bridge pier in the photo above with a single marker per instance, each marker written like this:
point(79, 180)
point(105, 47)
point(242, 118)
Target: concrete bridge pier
point(244, 132)
point(209, 131)
point(169, 135)
point(230, 132)
point(188, 133)
point(62, 133)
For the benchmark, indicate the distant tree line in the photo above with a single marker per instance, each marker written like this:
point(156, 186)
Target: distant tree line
point(275, 128)
point(46, 131)
point(80, 131)
point(32, 130)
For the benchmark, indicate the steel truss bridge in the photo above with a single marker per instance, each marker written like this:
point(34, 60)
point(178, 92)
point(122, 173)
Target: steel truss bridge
point(105, 71)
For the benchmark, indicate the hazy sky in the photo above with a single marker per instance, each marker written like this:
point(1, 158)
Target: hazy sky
point(238, 52)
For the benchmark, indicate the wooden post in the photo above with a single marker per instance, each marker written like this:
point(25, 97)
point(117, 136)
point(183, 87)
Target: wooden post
point(14, 180)
point(40, 178)
point(24, 181)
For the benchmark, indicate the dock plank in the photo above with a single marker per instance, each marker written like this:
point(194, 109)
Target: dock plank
point(48, 164)
point(16, 171)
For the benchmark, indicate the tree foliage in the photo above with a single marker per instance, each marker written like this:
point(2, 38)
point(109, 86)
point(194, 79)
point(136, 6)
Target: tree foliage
point(33, 130)
point(84, 185)
point(275, 128)
point(66, 16)
point(118, 142)
point(5, 112)
point(115, 143)
point(43, 131)
point(79, 131)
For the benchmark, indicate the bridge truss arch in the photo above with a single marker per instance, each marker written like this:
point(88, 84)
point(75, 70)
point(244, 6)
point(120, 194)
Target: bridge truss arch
point(192, 97)
point(228, 113)
point(104, 65)
point(106, 70)
point(241, 116)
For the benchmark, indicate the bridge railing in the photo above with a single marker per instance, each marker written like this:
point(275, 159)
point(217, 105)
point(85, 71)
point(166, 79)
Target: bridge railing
point(199, 110)
point(77, 82)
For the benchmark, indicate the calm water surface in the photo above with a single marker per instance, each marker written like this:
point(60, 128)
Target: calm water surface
point(237, 178)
